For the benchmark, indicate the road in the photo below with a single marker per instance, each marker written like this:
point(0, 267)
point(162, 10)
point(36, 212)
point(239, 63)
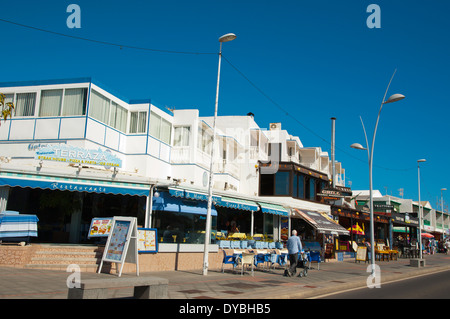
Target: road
point(431, 286)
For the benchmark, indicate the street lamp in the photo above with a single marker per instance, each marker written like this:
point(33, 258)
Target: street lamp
point(391, 99)
point(442, 210)
point(225, 38)
point(420, 206)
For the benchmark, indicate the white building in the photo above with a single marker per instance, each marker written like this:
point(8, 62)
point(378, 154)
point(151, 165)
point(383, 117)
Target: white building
point(73, 151)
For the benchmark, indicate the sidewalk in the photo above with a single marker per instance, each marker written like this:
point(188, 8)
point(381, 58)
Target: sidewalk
point(17, 283)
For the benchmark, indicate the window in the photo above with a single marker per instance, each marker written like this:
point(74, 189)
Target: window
point(160, 128)
point(100, 108)
point(50, 102)
point(181, 135)
point(75, 101)
point(108, 112)
point(204, 140)
point(118, 118)
point(138, 122)
point(282, 183)
point(25, 104)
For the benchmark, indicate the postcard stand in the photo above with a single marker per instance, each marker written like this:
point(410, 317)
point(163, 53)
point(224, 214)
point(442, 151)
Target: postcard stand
point(121, 246)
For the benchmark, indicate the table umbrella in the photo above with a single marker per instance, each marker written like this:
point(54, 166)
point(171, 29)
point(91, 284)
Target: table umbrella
point(356, 229)
point(427, 235)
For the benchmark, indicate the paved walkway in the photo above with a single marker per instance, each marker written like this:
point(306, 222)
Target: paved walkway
point(18, 283)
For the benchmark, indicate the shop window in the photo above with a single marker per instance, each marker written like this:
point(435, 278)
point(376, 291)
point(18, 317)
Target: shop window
point(188, 228)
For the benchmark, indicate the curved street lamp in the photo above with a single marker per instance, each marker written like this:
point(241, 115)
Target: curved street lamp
point(225, 38)
point(391, 99)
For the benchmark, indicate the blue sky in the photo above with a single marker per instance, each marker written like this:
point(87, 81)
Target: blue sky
point(314, 59)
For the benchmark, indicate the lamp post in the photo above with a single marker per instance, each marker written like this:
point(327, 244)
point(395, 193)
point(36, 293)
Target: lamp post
point(225, 38)
point(442, 210)
point(392, 98)
point(420, 206)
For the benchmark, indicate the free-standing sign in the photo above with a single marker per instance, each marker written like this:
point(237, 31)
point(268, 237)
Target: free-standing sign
point(361, 253)
point(100, 227)
point(147, 240)
point(121, 245)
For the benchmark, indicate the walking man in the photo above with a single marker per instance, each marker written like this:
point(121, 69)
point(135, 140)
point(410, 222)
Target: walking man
point(294, 246)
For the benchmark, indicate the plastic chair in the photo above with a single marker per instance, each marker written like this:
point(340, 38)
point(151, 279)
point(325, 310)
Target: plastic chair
point(258, 245)
point(315, 256)
point(228, 260)
point(224, 244)
point(265, 245)
point(278, 245)
point(244, 244)
point(246, 259)
point(235, 244)
point(272, 245)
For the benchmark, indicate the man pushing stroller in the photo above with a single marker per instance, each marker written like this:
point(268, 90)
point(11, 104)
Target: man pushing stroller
point(294, 246)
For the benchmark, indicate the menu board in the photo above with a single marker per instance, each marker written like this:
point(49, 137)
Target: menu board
point(121, 245)
point(118, 239)
point(361, 254)
point(147, 240)
point(100, 227)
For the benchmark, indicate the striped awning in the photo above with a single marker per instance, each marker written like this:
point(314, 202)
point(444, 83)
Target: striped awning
point(191, 194)
point(273, 209)
point(237, 203)
point(72, 184)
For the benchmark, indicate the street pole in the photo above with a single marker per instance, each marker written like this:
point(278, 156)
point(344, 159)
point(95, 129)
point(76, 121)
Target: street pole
point(392, 98)
point(420, 208)
point(442, 210)
point(224, 38)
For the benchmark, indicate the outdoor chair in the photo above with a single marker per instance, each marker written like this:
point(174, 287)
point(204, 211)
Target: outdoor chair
point(228, 260)
point(246, 259)
point(224, 244)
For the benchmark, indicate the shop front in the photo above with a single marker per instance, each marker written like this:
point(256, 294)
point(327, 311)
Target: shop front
point(317, 229)
point(404, 230)
point(66, 206)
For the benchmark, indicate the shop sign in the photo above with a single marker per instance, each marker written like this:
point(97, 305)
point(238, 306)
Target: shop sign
point(77, 155)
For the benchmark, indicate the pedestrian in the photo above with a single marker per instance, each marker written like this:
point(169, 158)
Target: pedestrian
point(294, 246)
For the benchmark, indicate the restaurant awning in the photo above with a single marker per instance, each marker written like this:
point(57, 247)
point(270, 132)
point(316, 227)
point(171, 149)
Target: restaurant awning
point(191, 194)
point(273, 209)
point(320, 221)
point(237, 203)
point(167, 203)
point(72, 184)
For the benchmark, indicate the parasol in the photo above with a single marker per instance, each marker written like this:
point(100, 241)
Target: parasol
point(356, 229)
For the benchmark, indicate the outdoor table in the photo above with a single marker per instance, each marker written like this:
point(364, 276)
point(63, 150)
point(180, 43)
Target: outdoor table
point(258, 236)
point(238, 236)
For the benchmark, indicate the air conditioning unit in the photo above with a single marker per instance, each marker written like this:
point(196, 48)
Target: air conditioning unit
point(275, 126)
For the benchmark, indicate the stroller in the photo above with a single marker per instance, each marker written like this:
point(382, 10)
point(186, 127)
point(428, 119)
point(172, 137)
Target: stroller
point(304, 263)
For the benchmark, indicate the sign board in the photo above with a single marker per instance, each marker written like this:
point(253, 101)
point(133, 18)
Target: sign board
point(121, 245)
point(361, 254)
point(147, 240)
point(100, 227)
point(77, 155)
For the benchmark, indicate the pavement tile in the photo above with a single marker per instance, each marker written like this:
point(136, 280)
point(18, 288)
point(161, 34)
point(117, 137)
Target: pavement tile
point(16, 283)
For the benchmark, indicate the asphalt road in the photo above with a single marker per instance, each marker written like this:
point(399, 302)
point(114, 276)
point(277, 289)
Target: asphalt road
point(431, 286)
